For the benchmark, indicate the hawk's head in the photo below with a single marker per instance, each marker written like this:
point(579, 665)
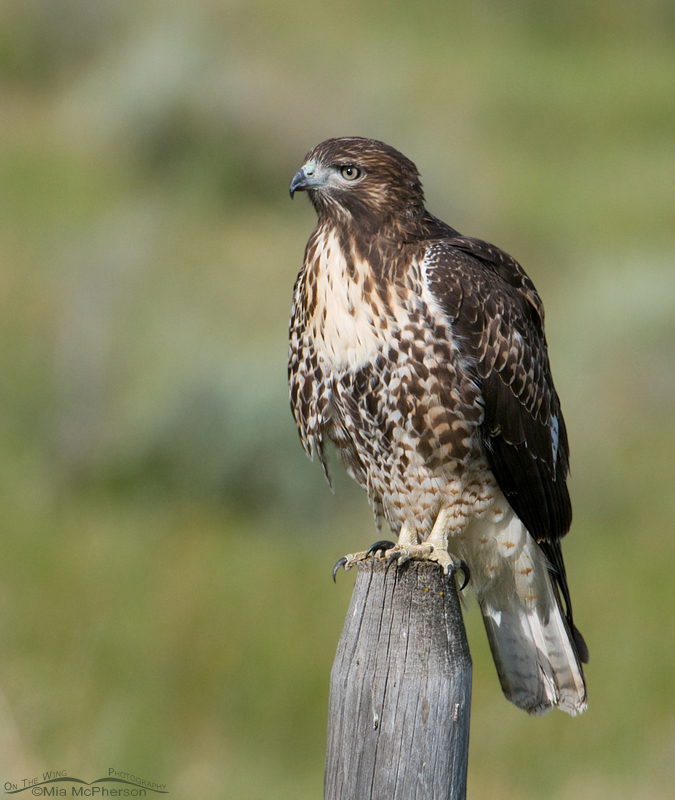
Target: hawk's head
point(360, 180)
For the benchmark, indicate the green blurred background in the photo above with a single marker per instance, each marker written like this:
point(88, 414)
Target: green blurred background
point(166, 606)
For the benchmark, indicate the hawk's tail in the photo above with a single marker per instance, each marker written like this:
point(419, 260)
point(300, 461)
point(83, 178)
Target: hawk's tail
point(533, 646)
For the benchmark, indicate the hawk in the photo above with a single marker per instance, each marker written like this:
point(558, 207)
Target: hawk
point(421, 354)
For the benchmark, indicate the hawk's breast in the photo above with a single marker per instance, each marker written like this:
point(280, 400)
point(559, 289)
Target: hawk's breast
point(349, 320)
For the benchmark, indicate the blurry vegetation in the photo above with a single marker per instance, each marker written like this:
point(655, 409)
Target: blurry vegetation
point(165, 597)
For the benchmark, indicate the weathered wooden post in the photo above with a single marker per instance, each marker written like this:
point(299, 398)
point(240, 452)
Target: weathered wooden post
point(400, 693)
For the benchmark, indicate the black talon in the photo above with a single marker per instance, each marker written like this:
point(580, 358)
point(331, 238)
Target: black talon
point(379, 547)
point(464, 569)
point(393, 557)
point(339, 564)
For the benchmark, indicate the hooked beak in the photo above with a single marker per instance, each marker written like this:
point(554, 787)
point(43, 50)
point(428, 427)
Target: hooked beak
point(305, 178)
point(299, 182)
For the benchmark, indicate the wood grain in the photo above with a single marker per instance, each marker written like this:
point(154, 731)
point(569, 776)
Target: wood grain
point(400, 695)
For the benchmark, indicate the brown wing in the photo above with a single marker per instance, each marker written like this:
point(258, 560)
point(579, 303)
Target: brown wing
point(499, 318)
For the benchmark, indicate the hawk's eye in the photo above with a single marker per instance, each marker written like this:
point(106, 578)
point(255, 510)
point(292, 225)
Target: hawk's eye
point(350, 172)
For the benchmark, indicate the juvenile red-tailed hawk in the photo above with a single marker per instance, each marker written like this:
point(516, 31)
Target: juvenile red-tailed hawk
point(420, 353)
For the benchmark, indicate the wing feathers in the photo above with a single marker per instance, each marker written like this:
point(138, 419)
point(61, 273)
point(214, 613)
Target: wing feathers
point(498, 315)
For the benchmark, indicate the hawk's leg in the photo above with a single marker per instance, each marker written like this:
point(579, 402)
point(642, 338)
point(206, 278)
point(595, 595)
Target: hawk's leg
point(435, 547)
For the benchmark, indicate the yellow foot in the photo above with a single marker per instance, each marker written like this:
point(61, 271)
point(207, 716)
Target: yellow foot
point(400, 553)
point(351, 559)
